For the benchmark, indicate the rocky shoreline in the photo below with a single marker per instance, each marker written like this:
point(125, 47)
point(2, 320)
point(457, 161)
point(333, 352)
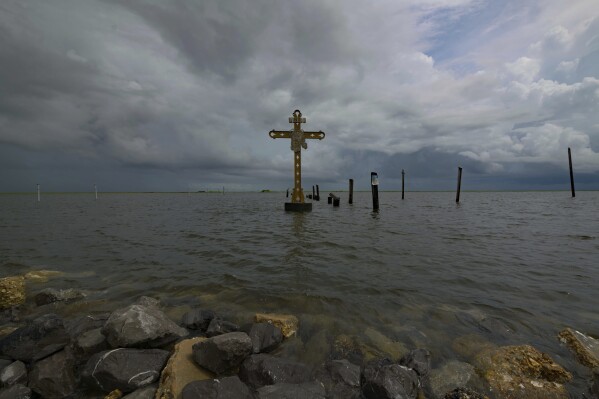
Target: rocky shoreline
point(138, 352)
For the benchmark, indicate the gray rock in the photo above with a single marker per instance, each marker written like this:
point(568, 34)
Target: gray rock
point(88, 343)
point(54, 377)
point(453, 374)
point(383, 379)
point(306, 390)
point(259, 370)
point(77, 326)
point(342, 371)
point(17, 391)
point(463, 393)
point(147, 301)
point(218, 327)
point(595, 387)
point(14, 373)
point(51, 295)
point(4, 363)
point(148, 392)
point(223, 353)
point(142, 327)
point(44, 336)
point(418, 360)
point(223, 388)
point(265, 337)
point(198, 319)
point(124, 369)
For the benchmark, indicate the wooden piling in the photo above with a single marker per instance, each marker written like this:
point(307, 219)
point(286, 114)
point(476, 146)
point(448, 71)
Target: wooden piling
point(317, 193)
point(351, 191)
point(313, 192)
point(287, 196)
point(457, 196)
point(329, 200)
point(402, 183)
point(374, 185)
point(571, 173)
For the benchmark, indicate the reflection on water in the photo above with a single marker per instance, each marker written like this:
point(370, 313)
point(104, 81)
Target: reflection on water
point(498, 268)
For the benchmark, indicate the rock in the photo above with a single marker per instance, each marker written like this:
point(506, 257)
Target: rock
point(44, 336)
point(218, 327)
point(124, 369)
point(383, 379)
point(4, 363)
point(76, 327)
point(265, 337)
point(54, 377)
point(595, 387)
point(12, 291)
point(223, 353)
point(342, 371)
point(5, 330)
point(198, 319)
point(463, 393)
point(259, 370)
point(346, 347)
point(453, 374)
point(306, 390)
point(585, 347)
point(116, 394)
point(148, 301)
point(288, 324)
point(147, 392)
point(520, 372)
point(387, 347)
point(468, 346)
point(14, 373)
point(51, 295)
point(140, 326)
point(181, 370)
point(42, 276)
point(418, 360)
point(17, 391)
point(223, 388)
point(88, 343)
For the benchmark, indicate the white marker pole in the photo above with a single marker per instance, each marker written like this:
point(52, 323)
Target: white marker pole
point(96, 190)
point(38, 193)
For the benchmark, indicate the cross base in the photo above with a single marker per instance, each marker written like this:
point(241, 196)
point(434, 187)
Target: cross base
point(298, 206)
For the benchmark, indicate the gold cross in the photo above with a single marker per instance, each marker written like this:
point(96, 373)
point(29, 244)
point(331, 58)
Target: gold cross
point(298, 141)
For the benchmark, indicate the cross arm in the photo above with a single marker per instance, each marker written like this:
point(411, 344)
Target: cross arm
point(314, 135)
point(280, 134)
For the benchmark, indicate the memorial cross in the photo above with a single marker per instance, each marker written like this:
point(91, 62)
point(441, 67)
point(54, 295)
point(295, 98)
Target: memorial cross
point(298, 141)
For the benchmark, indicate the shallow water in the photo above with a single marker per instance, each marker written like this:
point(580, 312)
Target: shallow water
point(513, 268)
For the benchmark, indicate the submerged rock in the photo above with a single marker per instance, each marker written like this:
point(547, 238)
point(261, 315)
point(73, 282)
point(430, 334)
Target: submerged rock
point(453, 374)
point(124, 369)
point(385, 345)
point(342, 371)
point(522, 372)
point(12, 291)
point(383, 379)
point(288, 324)
point(54, 377)
point(419, 360)
point(585, 347)
point(223, 353)
point(218, 327)
point(140, 326)
point(265, 337)
point(262, 369)
point(306, 390)
point(198, 319)
point(88, 343)
point(14, 373)
point(79, 325)
point(223, 388)
point(17, 391)
point(41, 276)
point(51, 295)
point(181, 370)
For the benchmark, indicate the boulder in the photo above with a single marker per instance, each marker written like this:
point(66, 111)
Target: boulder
point(288, 324)
point(383, 345)
point(198, 319)
point(42, 337)
point(41, 276)
point(54, 376)
point(223, 353)
point(17, 391)
point(453, 374)
point(346, 347)
point(265, 337)
point(14, 373)
point(12, 291)
point(261, 369)
point(147, 392)
point(585, 348)
point(223, 388)
point(218, 327)
point(181, 370)
point(88, 343)
point(463, 393)
point(383, 379)
point(520, 372)
point(77, 326)
point(140, 326)
point(306, 390)
point(124, 369)
point(418, 360)
point(595, 387)
point(51, 295)
point(342, 371)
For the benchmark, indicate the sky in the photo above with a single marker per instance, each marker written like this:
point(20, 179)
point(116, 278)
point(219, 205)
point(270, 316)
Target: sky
point(144, 95)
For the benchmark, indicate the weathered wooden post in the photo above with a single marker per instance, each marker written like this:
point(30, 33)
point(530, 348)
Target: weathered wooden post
point(351, 191)
point(402, 183)
point(298, 141)
point(374, 186)
point(329, 199)
point(287, 196)
point(571, 173)
point(334, 198)
point(313, 192)
point(457, 196)
point(317, 193)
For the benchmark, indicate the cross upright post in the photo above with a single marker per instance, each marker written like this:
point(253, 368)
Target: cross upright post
point(298, 141)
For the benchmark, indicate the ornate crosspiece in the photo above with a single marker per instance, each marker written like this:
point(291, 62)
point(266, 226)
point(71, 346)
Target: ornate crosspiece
point(298, 141)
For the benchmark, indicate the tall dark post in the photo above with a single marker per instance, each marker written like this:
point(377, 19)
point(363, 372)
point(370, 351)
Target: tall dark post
point(313, 193)
point(351, 191)
point(457, 195)
point(374, 185)
point(571, 173)
point(287, 193)
point(402, 183)
point(317, 193)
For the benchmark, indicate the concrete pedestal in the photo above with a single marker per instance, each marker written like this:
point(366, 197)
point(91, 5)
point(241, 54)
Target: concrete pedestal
point(298, 206)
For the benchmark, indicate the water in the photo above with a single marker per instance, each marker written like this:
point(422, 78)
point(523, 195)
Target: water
point(511, 268)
